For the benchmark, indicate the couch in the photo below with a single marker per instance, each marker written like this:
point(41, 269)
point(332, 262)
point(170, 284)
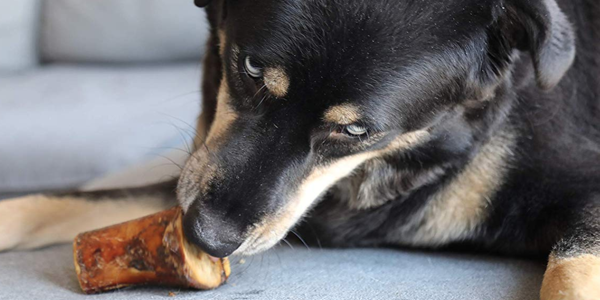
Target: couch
point(103, 93)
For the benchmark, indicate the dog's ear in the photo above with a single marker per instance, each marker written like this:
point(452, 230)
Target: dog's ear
point(202, 3)
point(543, 30)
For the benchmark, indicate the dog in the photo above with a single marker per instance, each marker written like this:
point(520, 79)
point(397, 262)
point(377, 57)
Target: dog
point(430, 124)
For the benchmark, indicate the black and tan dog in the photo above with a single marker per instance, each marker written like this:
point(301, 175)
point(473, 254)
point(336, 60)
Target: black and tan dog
point(427, 123)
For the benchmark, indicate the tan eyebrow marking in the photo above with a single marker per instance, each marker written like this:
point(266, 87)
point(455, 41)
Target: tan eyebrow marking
point(344, 114)
point(276, 81)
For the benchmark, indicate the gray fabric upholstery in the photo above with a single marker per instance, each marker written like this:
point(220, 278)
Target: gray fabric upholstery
point(65, 124)
point(122, 30)
point(301, 274)
point(18, 34)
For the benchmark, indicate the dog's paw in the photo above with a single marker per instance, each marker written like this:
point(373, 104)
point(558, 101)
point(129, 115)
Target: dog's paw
point(17, 218)
point(574, 278)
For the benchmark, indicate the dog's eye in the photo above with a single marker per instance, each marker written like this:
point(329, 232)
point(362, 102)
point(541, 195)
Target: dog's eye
point(251, 69)
point(355, 130)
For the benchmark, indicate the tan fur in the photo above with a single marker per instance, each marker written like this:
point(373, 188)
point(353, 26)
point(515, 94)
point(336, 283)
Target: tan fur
point(344, 114)
point(192, 183)
point(461, 206)
point(276, 81)
point(222, 41)
point(206, 117)
point(189, 188)
point(36, 220)
point(574, 278)
point(376, 182)
point(270, 231)
point(224, 116)
point(201, 130)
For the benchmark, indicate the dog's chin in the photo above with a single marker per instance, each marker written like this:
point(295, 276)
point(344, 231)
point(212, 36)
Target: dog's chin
point(259, 243)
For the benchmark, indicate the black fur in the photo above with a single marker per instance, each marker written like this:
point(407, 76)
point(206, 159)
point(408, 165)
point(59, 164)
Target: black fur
point(470, 70)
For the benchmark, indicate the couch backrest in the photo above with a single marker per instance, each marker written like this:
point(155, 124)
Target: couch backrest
point(121, 30)
point(99, 31)
point(18, 34)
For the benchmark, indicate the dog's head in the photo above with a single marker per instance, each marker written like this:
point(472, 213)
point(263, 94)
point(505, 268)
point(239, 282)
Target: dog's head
point(311, 89)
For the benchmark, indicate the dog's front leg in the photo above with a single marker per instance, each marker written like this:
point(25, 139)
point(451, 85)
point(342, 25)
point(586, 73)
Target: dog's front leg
point(44, 219)
point(573, 271)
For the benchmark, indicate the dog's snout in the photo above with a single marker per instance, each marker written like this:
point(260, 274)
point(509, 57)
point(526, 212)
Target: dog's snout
point(211, 232)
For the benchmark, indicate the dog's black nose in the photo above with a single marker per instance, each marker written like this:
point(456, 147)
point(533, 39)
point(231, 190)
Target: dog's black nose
point(211, 232)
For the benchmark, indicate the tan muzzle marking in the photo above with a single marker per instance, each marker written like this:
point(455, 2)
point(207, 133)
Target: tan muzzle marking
point(268, 232)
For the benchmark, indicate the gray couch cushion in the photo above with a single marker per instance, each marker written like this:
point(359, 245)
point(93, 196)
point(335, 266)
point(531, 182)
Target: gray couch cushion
point(301, 274)
point(122, 30)
point(18, 34)
point(63, 125)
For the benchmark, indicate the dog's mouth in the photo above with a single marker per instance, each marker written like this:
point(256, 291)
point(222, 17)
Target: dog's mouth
point(259, 242)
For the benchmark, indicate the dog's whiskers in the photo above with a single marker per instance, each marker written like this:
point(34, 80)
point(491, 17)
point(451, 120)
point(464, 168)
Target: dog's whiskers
point(247, 267)
point(172, 161)
point(259, 90)
point(288, 243)
point(261, 100)
point(315, 235)
point(182, 95)
point(185, 141)
point(194, 130)
point(301, 239)
point(172, 148)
